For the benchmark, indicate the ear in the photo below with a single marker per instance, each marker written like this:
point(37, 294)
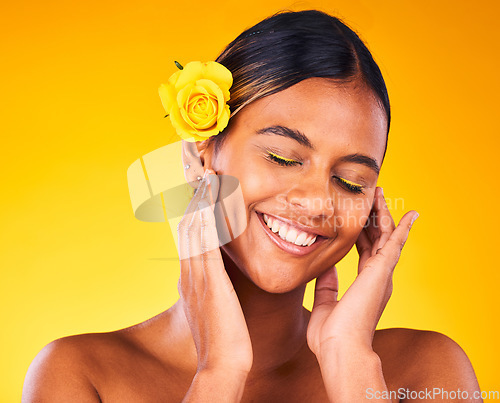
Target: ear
point(195, 159)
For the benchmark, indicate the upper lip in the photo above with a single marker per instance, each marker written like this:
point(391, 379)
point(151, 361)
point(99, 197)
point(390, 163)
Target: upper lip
point(309, 230)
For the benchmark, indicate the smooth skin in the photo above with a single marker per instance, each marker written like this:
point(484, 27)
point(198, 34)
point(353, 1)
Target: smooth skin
point(239, 331)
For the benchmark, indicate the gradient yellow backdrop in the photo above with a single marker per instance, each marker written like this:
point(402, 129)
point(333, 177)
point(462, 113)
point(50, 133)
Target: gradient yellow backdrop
point(79, 104)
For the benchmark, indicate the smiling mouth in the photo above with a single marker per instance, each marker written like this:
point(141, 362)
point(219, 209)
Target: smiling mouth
point(289, 238)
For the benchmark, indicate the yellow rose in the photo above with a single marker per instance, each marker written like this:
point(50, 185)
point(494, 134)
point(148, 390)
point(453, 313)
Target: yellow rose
point(195, 98)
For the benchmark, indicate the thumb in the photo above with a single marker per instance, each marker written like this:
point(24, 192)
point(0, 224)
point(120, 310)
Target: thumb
point(327, 289)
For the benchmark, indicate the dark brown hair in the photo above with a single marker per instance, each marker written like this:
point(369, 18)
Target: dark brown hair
point(289, 47)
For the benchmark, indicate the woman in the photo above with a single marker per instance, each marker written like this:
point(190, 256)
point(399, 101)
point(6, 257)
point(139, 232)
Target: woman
point(306, 140)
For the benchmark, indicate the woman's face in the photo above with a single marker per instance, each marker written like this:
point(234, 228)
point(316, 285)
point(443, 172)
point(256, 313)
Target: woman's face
point(308, 158)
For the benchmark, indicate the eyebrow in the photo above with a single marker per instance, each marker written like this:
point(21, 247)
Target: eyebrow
point(363, 160)
point(287, 132)
point(301, 138)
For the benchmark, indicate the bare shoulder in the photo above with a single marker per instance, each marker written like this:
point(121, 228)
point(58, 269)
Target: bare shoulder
point(135, 362)
point(421, 359)
point(59, 372)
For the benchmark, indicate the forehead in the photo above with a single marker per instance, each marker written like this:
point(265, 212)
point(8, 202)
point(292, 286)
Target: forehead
point(343, 115)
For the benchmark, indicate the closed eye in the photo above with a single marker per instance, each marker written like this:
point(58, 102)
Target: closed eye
point(350, 186)
point(281, 160)
point(345, 183)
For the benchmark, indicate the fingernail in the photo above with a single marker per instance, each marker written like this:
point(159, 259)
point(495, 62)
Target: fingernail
point(414, 218)
point(382, 191)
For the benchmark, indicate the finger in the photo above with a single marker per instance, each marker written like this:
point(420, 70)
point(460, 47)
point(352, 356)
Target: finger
point(188, 225)
point(368, 295)
point(189, 244)
point(325, 299)
point(213, 269)
point(208, 230)
point(370, 292)
point(364, 247)
point(391, 251)
point(384, 221)
point(199, 194)
point(371, 226)
point(201, 199)
point(213, 188)
point(327, 289)
point(200, 240)
point(187, 218)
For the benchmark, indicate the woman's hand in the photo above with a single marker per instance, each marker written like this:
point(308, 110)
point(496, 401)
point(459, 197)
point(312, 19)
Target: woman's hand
point(210, 303)
point(340, 333)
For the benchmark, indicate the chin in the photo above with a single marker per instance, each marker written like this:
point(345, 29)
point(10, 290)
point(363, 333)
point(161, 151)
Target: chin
point(278, 282)
point(275, 277)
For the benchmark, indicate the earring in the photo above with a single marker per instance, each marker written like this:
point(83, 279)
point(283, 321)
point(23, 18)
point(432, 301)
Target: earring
point(187, 166)
point(199, 178)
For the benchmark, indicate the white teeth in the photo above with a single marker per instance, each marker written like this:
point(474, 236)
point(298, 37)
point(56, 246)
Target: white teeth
point(311, 241)
point(276, 226)
point(291, 235)
point(301, 238)
point(283, 231)
point(270, 222)
point(288, 233)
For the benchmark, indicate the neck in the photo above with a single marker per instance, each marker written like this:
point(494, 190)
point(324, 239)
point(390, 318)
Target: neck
point(277, 323)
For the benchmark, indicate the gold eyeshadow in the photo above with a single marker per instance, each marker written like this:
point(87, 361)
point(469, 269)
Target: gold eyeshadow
point(348, 185)
point(351, 186)
point(281, 160)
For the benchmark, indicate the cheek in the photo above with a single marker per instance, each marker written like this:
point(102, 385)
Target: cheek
point(256, 183)
point(351, 215)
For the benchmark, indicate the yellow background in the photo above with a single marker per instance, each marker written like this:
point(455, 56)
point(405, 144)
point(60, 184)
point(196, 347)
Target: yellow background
point(79, 104)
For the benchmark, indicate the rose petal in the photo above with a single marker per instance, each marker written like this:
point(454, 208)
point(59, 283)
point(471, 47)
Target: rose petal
point(196, 103)
point(211, 106)
point(219, 74)
point(167, 97)
point(207, 123)
point(208, 133)
point(209, 119)
point(224, 118)
point(185, 116)
point(181, 127)
point(183, 96)
point(196, 99)
point(197, 112)
point(215, 91)
point(174, 77)
point(191, 72)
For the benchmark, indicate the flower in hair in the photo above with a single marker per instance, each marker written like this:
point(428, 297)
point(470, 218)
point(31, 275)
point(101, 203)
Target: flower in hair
point(195, 98)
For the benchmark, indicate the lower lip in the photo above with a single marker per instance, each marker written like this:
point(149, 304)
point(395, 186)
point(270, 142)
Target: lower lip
point(287, 246)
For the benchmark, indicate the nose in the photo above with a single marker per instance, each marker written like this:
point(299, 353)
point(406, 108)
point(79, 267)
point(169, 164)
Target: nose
point(312, 195)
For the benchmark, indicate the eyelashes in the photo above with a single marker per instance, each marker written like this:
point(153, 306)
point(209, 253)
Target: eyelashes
point(346, 184)
point(350, 186)
point(282, 160)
